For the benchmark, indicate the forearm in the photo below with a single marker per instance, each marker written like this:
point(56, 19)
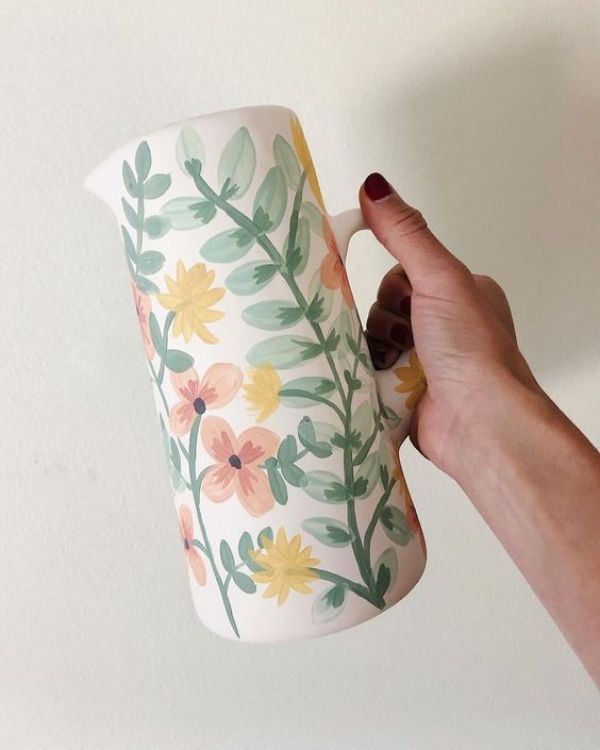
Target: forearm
point(535, 479)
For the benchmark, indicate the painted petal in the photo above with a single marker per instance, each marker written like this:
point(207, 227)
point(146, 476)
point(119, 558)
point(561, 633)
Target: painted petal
point(330, 276)
point(197, 566)
point(187, 384)
point(252, 488)
point(181, 418)
point(217, 484)
point(347, 290)
point(217, 438)
point(256, 444)
point(186, 522)
point(220, 384)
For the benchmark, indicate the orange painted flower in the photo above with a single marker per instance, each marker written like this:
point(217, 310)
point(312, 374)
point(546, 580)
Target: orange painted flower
point(305, 159)
point(143, 308)
point(186, 528)
point(218, 386)
point(236, 469)
point(333, 273)
point(412, 380)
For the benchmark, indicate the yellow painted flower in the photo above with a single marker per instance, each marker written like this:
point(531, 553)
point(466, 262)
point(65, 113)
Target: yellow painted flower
point(412, 380)
point(191, 298)
point(284, 566)
point(306, 161)
point(262, 393)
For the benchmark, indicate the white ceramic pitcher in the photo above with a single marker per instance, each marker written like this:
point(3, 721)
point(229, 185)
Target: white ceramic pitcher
point(282, 440)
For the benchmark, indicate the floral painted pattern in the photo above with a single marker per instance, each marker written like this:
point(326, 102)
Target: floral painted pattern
point(262, 392)
point(412, 381)
point(309, 359)
point(333, 272)
point(236, 469)
point(186, 528)
point(285, 565)
point(191, 298)
point(217, 387)
point(143, 308)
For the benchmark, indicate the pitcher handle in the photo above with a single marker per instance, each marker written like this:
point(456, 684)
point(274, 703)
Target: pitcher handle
point(400, 404)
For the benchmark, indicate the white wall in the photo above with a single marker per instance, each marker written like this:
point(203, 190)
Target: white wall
point(486, 116)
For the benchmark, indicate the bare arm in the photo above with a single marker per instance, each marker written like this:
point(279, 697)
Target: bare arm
point(485, 421)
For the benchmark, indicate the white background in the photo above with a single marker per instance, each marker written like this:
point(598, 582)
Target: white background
point(486, 116)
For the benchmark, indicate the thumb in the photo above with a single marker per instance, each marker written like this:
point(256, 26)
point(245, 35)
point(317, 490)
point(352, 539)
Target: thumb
point(403, 231)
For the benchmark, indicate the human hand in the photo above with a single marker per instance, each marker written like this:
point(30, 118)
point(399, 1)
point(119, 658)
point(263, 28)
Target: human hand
point(461, 323)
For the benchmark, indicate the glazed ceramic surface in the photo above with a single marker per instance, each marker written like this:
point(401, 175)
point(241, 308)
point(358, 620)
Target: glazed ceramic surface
point(281, 441)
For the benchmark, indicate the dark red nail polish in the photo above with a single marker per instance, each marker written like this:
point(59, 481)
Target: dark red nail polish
point(405, 306)
point(400, 334)
point(377, 187)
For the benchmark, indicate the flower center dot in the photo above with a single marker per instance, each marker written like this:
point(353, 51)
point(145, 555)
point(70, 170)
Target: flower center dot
point(199, 406)
point(235, 462)
point(186, 544)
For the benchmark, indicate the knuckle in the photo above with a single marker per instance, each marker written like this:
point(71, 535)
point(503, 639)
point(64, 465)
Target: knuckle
point(489, 285)
point(404, 221)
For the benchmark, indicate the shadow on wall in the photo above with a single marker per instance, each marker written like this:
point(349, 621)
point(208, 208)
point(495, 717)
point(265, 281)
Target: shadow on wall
point(503, 158)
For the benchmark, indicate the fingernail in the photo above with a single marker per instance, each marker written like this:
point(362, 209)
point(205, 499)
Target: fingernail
point(382, 359)
point(401, 335)
point(377, 187)
point(405, 305)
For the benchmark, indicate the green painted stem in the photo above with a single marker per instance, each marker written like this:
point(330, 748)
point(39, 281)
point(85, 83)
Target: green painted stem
point(196, 484)
point(381, 503)
point(168, 320)
point(293, 392)
point(357, 588)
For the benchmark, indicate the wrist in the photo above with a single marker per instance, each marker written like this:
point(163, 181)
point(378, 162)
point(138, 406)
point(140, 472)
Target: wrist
point(500, 423)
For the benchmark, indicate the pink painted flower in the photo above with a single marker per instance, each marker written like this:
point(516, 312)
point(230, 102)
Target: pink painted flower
point(218, 386)
point(143, 308)
point(237, 464)
point(186, 527)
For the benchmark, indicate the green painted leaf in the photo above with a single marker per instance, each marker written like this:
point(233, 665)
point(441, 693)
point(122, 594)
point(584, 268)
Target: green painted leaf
point(369, 471)
point(386, 571)
point(227, 556)
point(329, 604)
point(189, 146)
point(245, 546)
point(308, 437)
point(309, 385)
point(174, 455)
point(227, 246)
point(293, 475)
point(156, 226)
point(325, 486)
point(328, 531)
point(296, 258)
point(150, 262)
point(204, 210)
point(395, 525)
point(314, 217)
point(129, 180)
point(156, 334)
point(250, 277)
point(244, 582)
point(145, 285)
point(128, 243)
point(270, 200)
point(177, 481)
point(285, 158)
point(130, 214)
point(180, 213)
point(324, 431)
point(143, 161)
point(363, 420)
point(281, 352)
point(322, 293)
point(277, 485)
point(178, 361)
point(237, 163)
point(157, 186)
point(266, 533)
point(288, 450)
point(272, 315)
